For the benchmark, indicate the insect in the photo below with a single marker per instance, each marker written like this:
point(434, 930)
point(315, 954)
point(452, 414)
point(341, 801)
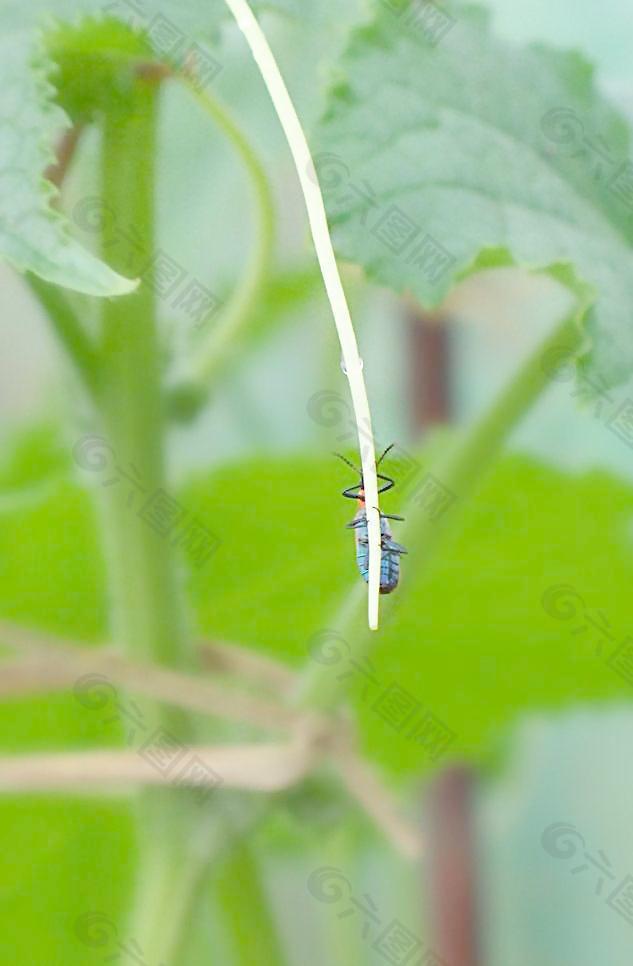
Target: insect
point(391, 551)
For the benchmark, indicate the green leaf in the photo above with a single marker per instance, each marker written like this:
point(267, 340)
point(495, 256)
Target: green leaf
point(471, 641)
point(58, 841)
point(32, 235)
point(484, 148)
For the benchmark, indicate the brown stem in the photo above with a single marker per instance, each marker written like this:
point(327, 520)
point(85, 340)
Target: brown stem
point(56, 172)
point(453, 868)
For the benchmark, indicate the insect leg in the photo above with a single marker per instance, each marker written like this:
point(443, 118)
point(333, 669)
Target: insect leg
point(388, 516)
point(388, 485)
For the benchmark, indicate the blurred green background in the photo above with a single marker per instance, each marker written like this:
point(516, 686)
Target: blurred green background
point(535, 708)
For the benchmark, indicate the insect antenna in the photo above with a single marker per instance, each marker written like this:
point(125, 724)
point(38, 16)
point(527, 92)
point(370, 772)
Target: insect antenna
point(349, 463)
point(391, 446)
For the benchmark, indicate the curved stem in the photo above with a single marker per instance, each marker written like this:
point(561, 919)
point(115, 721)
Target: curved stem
point(315, 207)
point(459, 472)
point(221, 340)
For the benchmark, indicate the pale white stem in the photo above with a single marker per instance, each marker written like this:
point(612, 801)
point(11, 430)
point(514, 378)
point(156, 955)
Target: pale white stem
point(298, 144)
point(246, 664)
point(378, 802)
point(257, 767)
point(260, 767)
point(52, 665)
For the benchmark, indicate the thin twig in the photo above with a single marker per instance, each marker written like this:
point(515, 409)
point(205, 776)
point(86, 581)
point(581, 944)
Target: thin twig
point(315, 206)
point(255, 767)
point(247, 664)
point(52, 664)
point(65, 665)
point(375, 799)
point(56, 172)
point(52, 299)
point(220, 342)
point(41, 675)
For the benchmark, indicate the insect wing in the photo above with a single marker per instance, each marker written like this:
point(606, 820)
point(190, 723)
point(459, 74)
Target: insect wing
point(362, 545)
point(394, 547)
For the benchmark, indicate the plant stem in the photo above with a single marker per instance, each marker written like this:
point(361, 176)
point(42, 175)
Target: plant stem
point(239, 888)
point(459, 471)
point(221, 341)
point(317, 218)
point(68, 329)
point(175, 831)
point(148, 615)
point(131, 398)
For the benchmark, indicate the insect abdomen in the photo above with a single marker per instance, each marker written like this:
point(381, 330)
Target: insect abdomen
point(389, 561)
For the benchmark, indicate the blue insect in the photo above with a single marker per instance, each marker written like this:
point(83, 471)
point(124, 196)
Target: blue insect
point(391, 551)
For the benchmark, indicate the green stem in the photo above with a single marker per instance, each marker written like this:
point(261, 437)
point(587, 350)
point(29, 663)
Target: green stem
point(69, 330)
point(131, 397)
point(148, 614)
point(246, 910)
point(177, 835)
point(459, 471)
point(221, 342)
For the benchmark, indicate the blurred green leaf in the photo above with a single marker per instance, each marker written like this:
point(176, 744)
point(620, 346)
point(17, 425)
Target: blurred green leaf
point(32, 455)
point(66, 869)
point(470, 641)
point(32, 234)
point(283, 549)
point(62, 858)
point(436, 149)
